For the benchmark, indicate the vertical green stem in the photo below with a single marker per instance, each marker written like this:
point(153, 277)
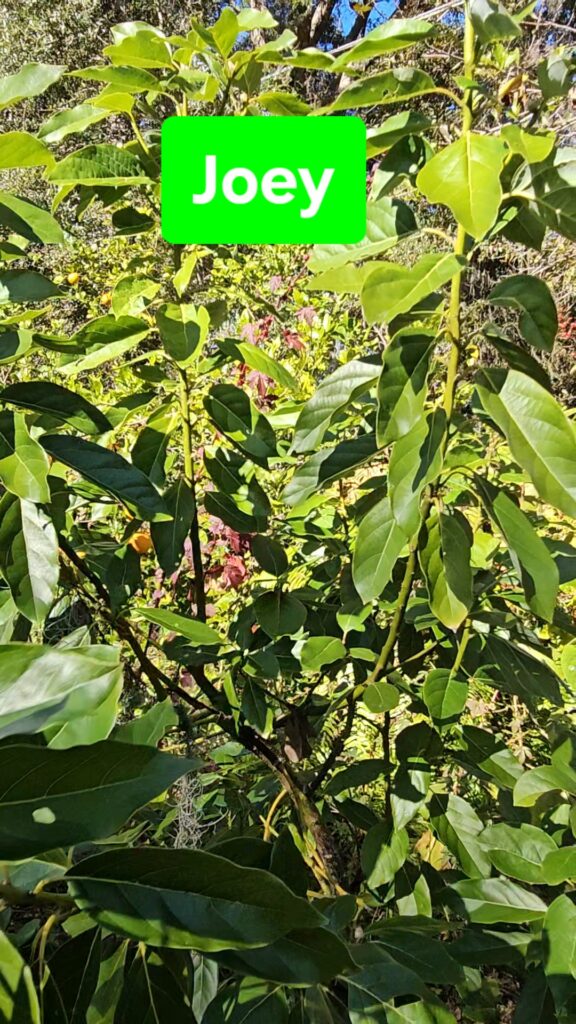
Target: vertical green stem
point(454, 328)
point(189, 477)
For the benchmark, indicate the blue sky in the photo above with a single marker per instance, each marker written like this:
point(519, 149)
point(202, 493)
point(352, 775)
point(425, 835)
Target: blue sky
point(381, 12)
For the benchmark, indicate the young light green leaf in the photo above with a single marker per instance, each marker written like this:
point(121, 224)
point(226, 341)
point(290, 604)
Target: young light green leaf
point(103, 164)
point(394, 86)
point(395, 289)
point(30, 80)
point(491, 21)
point(23, 462)
point(50, 686)
point(197, 633)
point(395, 34)
point(20, 149)
point(465, 176)
point(387, 220)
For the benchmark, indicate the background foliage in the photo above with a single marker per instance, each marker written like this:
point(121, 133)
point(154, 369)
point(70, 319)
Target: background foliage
point(286, 537)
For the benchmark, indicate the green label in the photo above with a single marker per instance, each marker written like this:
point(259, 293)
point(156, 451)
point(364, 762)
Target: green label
point(263, 179)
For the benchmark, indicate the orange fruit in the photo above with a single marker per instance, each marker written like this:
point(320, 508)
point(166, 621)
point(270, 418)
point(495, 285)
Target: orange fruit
point(106, 298)
point(73, 278)
point(141, 542)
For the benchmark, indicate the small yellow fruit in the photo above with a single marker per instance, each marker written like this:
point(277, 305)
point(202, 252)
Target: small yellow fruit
point(73, 278)
point(106, 298)
point(141, 542)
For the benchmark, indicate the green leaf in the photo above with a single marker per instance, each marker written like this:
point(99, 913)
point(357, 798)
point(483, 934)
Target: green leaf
point(538, 318)
point(270, 555)
point(23, 462)
point(510, 668)
point(531, 558)
point(394, 289)
point(395, 34)
point(129, 221)
point(30, 80)
point(197, 633)
point(457, 825)
point(495, 900)
point(559, 866)
point(132, 294)
point(415, 462)
point(518, 851)
point(18, 1000)
point(308, 957)
point(395, 128)
point(60, 403)
point(380, 697)
point(182, 329)
point(255, 707)
point(50, 686)
point(169, 537)
point(387, 220)
point(144, 48)
point(383, 853)
point(559, 945)
point(150, 727)
point(26, 286)
point(378, 545)
point(28, 556)
point(14, 345)
point(409, 794)
point(486, 756)
point(334, 393)
point(551, 186)
point(103, 164)
point(394, 86)
point(373, 994)
point(249, 1001)
point(532, 147)
point(279, 613)
point(517, 358)
point(103, 339)
point(465, 176)
point(445, 560)
point(445, 695)
point(402, 382)
point(254, 357)
point(52, 798)
point(555, 75)
point(227, 509)
point(234, 414)
point(532, 784)
point(250, 19)
point(109, 471)
point(68, 122)
point(426, 956)
point(187, 899)
point(318, 651)
point(125, 79)
point(328, 465)
point(20, 149)
point(540, 437)
point(491, 21)
point(29, 220)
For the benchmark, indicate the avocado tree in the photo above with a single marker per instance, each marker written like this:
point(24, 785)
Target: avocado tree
point(286, 673)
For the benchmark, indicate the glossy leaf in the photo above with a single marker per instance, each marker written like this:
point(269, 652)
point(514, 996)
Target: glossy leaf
point(26, 286)
point(43, 686)
point(518, 852)
point(195, 632)
point(465, 176)
point(58, 402)
point(445, 560)
point(52, 798)
point(445, 695)
point(279, 613)
point(20, 149)
point(492, 21)
point(387, 220)
point(335, 392)
point(495, 900)
point(328, 465)
point(401, 383)
point(18, 999)
point(393, 86)
point(30, 80)
point(540, 436)
point(415, 462)
point(109, 471)
point(378, 546)
point(103, 164)
point(29, 220)
point(187, 899)
point(23, 462)
point(28, 556)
